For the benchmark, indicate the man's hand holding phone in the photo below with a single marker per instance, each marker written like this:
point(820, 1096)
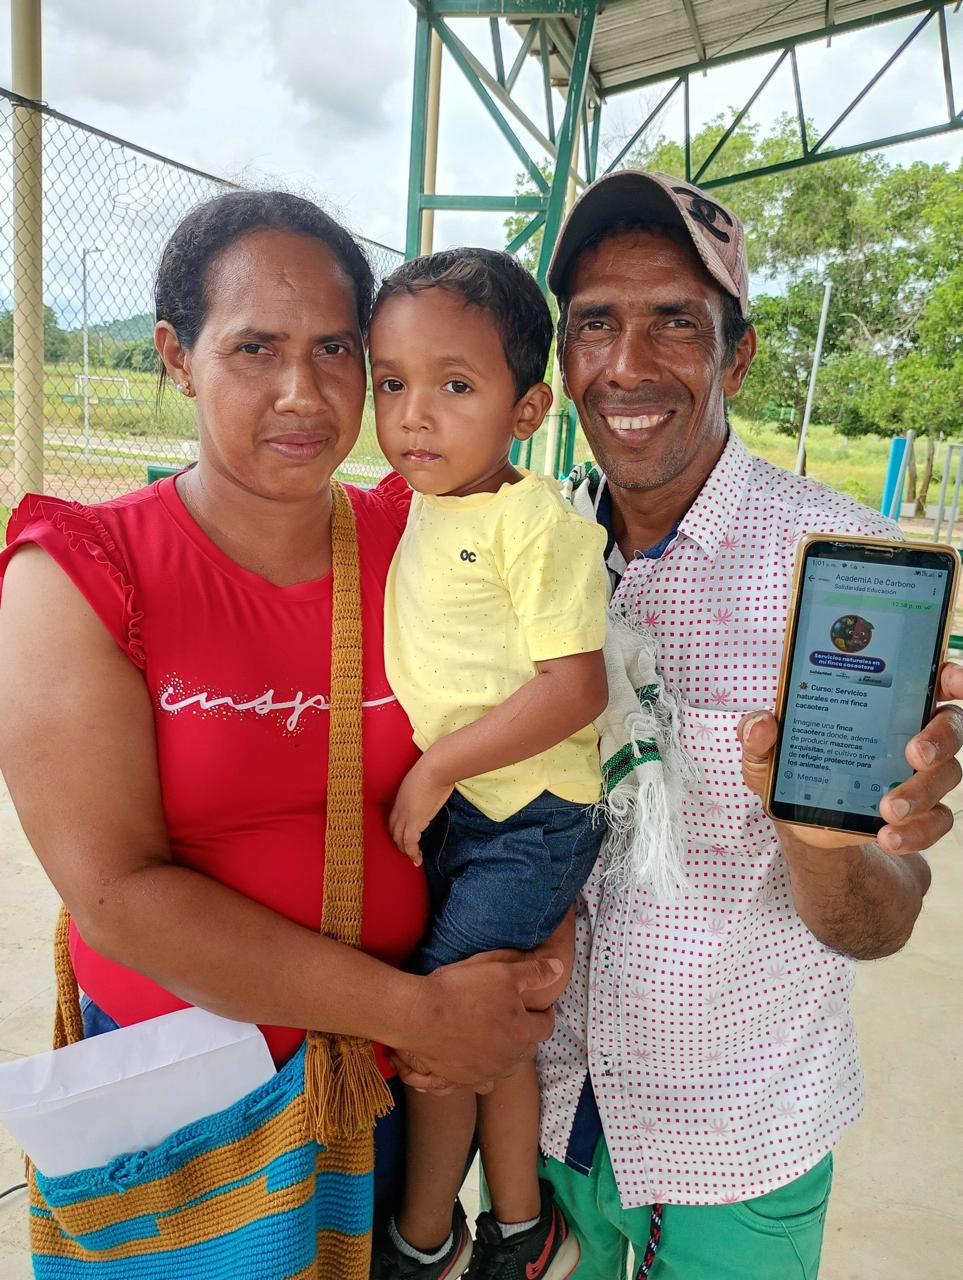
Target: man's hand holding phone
point(863, 899)
point(854, 766)
point(865, 638)
point(915, 815)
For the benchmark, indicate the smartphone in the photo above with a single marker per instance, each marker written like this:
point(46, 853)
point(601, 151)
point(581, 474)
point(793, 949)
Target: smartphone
point(867, 631)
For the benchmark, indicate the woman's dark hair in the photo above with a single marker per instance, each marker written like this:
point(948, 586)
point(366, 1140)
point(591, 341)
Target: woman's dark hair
point(180, 289)
point(498, 283)
point(734, 324)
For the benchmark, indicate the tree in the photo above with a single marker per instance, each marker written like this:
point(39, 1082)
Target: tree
point(55, 340)
point(775, 389)
point(140, 356)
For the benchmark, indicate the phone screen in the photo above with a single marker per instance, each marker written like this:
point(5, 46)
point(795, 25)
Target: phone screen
point(864, 660)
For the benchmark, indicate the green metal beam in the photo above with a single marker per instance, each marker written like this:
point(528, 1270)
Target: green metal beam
point(525, 234)
point(550, 24)
point(497, 51)
point(578, 78)
point(502, 8)
point(773, 46)
point(523, 52)
point(669, 93)
point(512, 204)
point(592, 168)
point(873, 80)
point(568, 454)
point(741, 115)
point(565, 48)
point(875, 144)
point(812, 151)
point(465, 65)
point(947, 67)
point(416, 155)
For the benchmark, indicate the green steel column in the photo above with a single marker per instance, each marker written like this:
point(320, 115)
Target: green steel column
point(419, 117)
point(568, 458)
point(593, 161)
point(567, 419)
point(555, 419)
point(567, 134)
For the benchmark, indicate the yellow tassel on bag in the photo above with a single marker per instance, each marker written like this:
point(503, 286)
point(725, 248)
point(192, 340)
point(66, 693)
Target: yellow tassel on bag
point(318, 1087)
point(344, 1091)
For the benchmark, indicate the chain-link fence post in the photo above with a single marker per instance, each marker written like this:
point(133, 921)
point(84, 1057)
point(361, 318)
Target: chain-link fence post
point(27, 167)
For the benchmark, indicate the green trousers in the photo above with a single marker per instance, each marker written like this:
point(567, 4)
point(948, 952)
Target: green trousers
point(778, 1236)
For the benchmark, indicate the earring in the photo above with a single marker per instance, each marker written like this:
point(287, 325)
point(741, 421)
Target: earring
point(183, 388)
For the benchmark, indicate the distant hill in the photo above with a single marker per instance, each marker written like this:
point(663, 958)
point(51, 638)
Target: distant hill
point(129, 329)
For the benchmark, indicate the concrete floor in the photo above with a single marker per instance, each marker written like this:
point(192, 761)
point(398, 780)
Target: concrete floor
point(897, 1205)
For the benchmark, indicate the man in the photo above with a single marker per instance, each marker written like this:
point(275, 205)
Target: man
point(704, 1059)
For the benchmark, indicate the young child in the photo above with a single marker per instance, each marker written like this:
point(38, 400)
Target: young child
point(494, 625)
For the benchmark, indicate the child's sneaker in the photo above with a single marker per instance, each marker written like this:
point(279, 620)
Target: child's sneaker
point(389, 1263)
point(547, 1251)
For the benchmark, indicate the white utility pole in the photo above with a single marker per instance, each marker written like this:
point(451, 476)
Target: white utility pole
point(801, 455)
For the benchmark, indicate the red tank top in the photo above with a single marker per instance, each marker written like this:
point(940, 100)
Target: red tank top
point(239, 672)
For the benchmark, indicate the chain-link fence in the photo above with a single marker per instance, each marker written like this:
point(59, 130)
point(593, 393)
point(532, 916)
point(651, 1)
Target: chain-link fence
point(83, 218)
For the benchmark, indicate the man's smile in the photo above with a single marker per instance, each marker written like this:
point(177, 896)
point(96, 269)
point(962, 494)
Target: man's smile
point(621, 422)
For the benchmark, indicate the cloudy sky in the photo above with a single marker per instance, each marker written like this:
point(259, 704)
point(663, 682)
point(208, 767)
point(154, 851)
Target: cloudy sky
point(316, 96)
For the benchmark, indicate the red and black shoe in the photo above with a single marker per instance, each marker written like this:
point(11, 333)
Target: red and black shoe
point(389, 1263)
point(547, 1251)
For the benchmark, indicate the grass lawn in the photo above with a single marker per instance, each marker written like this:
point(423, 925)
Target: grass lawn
point(855, 466)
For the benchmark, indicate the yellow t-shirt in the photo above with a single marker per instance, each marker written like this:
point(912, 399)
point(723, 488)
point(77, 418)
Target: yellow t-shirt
point(480, 589)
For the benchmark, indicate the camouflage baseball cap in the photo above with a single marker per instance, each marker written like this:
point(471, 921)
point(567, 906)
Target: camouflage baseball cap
point(716, 234)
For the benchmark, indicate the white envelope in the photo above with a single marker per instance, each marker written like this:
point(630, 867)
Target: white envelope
point(83, 1105)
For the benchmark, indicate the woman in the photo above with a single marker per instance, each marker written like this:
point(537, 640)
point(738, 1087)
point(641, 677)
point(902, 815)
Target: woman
point(165, 673)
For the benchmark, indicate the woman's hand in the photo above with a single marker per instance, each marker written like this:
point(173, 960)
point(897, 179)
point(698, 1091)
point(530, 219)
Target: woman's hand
point(469, 1024)
point(420, 796)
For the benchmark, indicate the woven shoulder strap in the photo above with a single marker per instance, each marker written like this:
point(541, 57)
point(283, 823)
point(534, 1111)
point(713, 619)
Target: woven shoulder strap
point(68, 1022)
point(343, 1088)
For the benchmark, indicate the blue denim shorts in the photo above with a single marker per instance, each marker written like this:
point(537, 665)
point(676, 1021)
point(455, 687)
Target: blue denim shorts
point(504, 884)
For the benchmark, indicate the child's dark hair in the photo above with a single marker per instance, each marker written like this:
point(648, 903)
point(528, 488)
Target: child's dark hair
point(180, 289)
point(498, 283)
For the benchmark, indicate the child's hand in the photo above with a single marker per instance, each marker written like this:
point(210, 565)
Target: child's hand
point(419, 798)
